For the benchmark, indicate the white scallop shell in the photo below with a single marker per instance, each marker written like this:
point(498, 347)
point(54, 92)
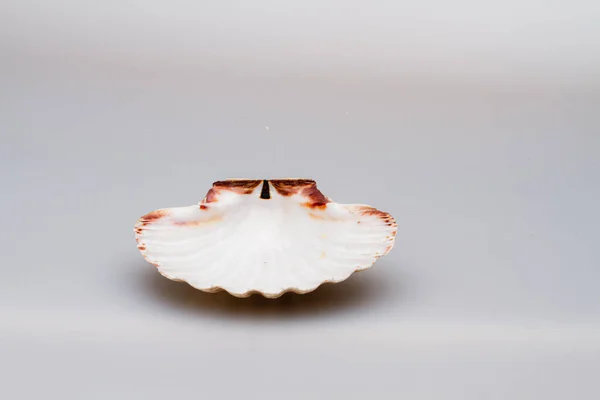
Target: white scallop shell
point(267, 237)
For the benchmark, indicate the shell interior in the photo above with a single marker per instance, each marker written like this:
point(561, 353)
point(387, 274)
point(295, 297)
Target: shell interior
point(264, 236)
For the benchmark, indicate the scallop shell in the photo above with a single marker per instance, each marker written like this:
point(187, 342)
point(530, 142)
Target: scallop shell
point(264, 236)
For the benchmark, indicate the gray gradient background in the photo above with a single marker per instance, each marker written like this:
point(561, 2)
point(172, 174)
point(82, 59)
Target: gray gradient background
point(475, 124)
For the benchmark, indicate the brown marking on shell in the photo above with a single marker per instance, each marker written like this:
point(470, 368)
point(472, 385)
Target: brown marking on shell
point(320, 206)
point(320, 215)
point(142, 247)
point(375, 212)
point(211, 196)
point(203, 207)
point(197, 222)
point(153, 216)
point(381, 215)
point(240, 186)
point(139, 230)
point(315, 216)
point(316, 199)
point(289, 187)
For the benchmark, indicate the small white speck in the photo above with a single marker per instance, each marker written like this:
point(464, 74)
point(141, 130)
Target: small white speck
point(266, 127)
point(347, 113)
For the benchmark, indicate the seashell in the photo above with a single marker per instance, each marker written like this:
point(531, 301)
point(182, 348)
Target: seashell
point(264, 236)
